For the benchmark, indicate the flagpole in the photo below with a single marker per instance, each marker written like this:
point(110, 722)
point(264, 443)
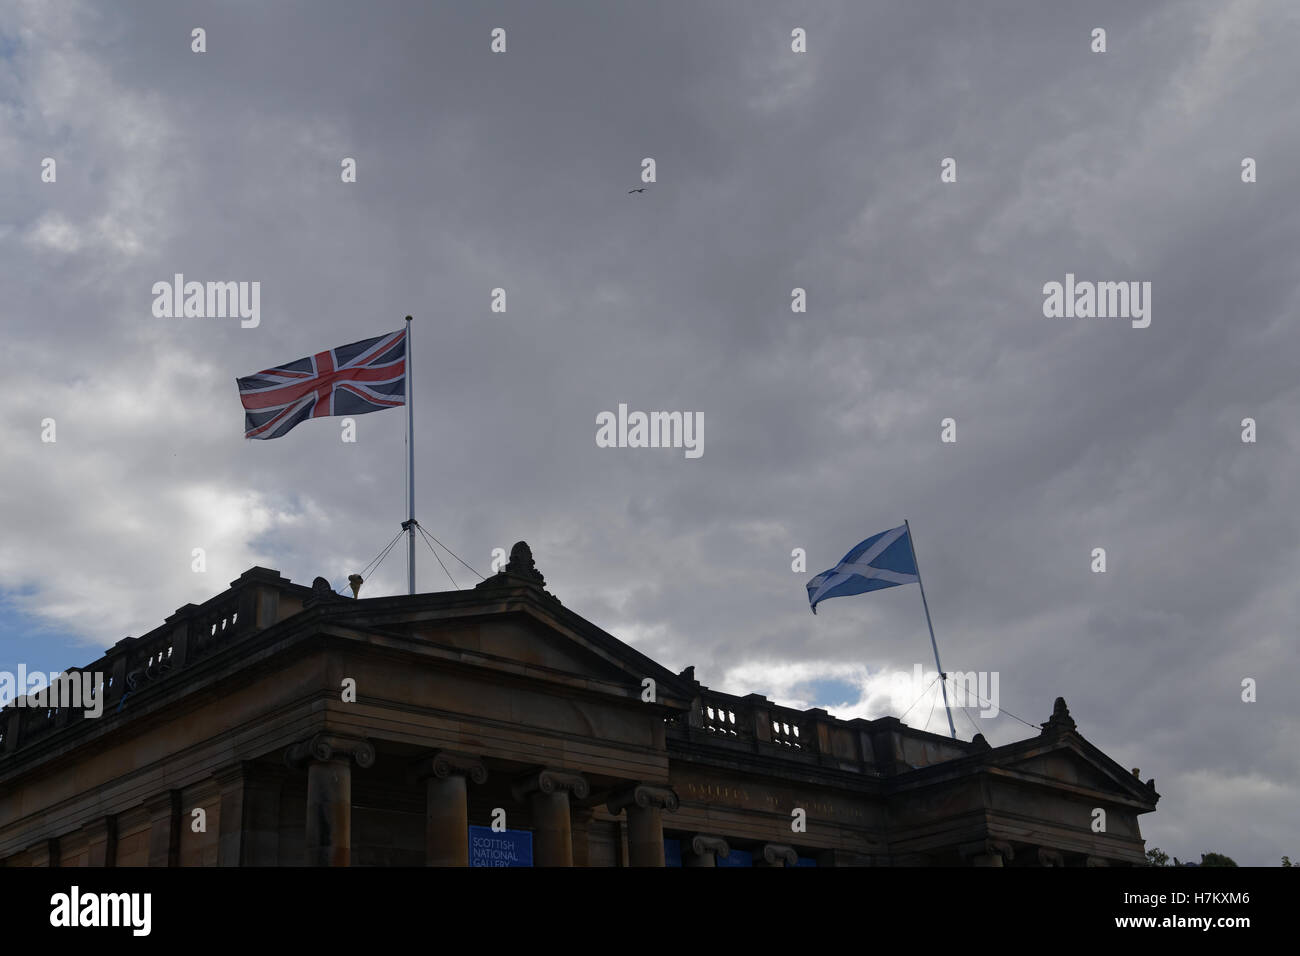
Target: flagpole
point(410, 465)
point(943, 678)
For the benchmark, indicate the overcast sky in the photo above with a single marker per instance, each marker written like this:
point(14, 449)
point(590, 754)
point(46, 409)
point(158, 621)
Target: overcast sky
point(774, 170)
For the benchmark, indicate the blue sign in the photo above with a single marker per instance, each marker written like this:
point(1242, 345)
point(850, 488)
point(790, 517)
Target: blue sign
point(736, 858)
point(506, 848)
point(672, 852)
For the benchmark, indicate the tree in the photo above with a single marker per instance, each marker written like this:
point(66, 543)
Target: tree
point(1216, 859)
point(1157, 857)
point(1286, 861)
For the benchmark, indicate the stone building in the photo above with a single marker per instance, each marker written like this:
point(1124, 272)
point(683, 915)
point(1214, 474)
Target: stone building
point(229, 736)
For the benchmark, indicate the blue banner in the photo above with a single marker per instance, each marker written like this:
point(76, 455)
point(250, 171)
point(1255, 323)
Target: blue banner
point(506, 848)
point(736, 858)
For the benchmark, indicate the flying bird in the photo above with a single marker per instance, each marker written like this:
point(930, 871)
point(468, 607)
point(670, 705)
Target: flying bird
point(641, 190)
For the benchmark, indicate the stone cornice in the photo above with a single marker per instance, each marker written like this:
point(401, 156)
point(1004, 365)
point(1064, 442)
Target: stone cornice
point(773, 761)
point(246, 771)
point(162, 804)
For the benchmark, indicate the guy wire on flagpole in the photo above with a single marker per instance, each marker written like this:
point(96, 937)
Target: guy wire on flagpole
point(409, 525)
point(925, 604)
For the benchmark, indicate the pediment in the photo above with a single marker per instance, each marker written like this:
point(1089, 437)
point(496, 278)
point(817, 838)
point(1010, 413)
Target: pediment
point(522, 639)
point(1067, 766)
point(529, 636)
point(1071, 760)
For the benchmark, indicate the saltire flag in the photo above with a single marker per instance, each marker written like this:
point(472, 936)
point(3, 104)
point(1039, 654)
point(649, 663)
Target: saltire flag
point(366, 376)
point(882, 561)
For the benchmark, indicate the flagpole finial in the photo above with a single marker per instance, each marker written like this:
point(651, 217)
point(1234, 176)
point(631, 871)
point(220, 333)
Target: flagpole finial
point(408, 318)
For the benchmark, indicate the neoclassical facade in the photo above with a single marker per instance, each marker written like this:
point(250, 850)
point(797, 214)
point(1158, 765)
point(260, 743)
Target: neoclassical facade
point(278, 724)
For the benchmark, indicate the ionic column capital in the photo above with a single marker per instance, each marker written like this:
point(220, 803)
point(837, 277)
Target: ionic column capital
point(702, 843)
point(552, 781)
point(987, 847)
point(774, 853)
point(326, 747)
point(450, 763)
point(644, 796)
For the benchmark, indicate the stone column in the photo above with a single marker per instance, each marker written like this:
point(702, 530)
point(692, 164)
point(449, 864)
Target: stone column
point(776, 854)
point(45, 853)
point(250, 815)
point(446, 815)
point(329, 794)
point(581, 817)
point(548, 793)
point(165, 829)
point(101, 842)
point(9, 718)
point(645, 826)
point(705, 850)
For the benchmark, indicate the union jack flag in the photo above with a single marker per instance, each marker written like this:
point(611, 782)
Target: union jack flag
point(366, 376)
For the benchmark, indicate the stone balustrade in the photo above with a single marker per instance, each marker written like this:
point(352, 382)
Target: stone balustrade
point(134, 665)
